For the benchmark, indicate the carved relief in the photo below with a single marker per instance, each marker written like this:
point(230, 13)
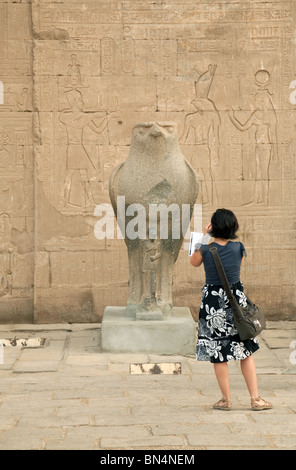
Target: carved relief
point(128, 55)
point(263, 118)
point(6, 251)
point(78, 160)
point(201, 128)
point(74, 74)
point(5, 157)
point(107, 55)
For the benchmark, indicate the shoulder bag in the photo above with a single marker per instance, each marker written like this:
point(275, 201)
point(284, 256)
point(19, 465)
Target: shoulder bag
point(249, 320)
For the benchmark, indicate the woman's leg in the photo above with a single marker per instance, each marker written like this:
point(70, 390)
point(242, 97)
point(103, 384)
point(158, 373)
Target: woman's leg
point(248, 369)
point(249, 372)
point(222, 375)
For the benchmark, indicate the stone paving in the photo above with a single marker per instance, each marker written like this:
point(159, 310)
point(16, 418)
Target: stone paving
point(68, 395)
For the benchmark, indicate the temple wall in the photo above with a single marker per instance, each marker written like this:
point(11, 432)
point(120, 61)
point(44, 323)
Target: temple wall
point(74, 79)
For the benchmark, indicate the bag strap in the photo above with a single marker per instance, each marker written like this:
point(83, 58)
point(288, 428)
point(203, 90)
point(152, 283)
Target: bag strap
point(225, 283)
point(221, 272)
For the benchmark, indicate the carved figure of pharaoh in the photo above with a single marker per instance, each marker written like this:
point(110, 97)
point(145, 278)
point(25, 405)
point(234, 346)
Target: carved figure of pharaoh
point(159, 188)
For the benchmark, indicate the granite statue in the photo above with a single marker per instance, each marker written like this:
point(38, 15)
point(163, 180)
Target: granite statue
point(155, 180)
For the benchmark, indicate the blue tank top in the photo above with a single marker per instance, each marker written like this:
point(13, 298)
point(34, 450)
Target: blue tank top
point(231, 256)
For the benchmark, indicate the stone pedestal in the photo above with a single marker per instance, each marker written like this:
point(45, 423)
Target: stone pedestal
point(121, 334)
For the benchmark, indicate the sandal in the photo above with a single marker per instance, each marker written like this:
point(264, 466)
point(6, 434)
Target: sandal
point(256, 406)
point(223, 404)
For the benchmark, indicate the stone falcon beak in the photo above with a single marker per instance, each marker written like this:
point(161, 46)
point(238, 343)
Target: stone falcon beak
point(156, 131)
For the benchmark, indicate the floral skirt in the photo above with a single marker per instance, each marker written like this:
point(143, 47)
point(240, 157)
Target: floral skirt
point(218, 339)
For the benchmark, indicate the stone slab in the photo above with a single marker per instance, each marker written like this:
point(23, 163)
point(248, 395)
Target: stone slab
point(36, 366)
point(118, 411)
point(176, 335)
point(156, 368)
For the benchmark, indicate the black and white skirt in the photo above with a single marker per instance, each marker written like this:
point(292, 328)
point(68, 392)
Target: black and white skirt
point(218, 339)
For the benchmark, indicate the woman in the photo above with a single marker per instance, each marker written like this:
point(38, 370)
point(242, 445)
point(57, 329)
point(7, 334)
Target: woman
point(218, 340)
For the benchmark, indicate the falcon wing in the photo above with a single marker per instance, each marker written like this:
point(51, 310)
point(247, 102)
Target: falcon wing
point(194, 183)
point(113, 184)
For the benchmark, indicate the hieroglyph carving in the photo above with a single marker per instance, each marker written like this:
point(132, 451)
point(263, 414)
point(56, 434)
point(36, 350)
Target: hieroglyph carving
point(6, 252)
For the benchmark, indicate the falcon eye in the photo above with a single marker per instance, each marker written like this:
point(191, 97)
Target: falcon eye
point(141, 130)
point(170, 129)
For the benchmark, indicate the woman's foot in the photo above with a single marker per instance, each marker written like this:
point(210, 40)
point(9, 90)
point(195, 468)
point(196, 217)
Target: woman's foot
point(259, 404)
point(223, 404)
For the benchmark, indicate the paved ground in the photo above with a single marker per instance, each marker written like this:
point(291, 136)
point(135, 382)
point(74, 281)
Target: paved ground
point(69, 395)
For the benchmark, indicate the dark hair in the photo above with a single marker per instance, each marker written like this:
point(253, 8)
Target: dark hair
point(224, 224)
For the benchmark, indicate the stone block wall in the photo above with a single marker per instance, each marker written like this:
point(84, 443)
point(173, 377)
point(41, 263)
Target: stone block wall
point(74, 79)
